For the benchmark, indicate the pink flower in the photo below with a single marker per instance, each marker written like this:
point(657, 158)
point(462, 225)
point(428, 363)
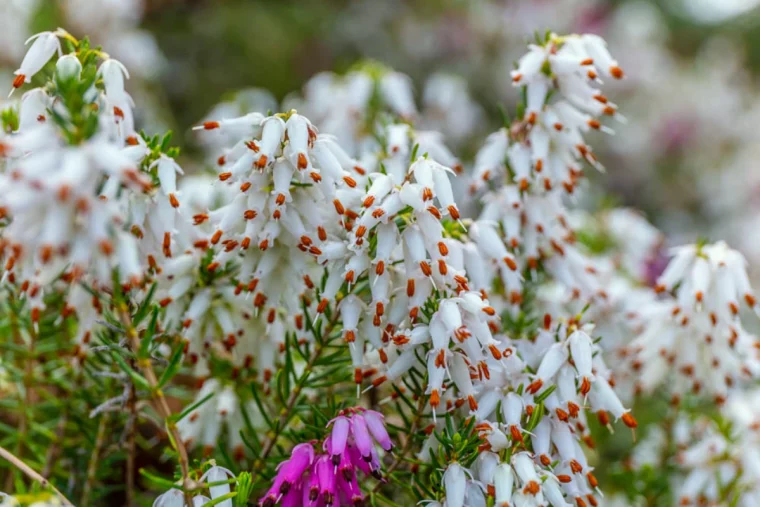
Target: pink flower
point(289, 473)
point(341, 428)
point(331, 478)
point(376, 425)
point(326, 476)
point(361, 436)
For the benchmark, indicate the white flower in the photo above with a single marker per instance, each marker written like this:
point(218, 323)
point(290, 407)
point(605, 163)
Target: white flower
point(44, 46)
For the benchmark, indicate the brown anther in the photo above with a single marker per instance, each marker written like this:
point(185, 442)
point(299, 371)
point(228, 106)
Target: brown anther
point(535, 386)
point(18, 81)
point(585, 386)
point(303, 162)
point(629, 420)
point(410, 287)
point(46, 252)
point(434, 211)
point(532, 488)
point(435, 398)
point(616, 72)
point(106, 247)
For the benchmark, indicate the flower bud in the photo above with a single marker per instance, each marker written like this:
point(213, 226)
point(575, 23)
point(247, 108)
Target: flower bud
point(68, 67)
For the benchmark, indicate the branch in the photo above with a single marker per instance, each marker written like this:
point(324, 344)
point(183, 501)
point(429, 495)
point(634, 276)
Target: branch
point(131, 445)
point(159, 402)
point(13, 460)
point(407, 445)
point(92, 468)
point(286, 413)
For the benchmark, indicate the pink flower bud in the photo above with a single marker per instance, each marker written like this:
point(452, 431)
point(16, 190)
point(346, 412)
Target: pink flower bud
point(339, 437)
point(326, 477)
point(376, 425)
point(361, 436)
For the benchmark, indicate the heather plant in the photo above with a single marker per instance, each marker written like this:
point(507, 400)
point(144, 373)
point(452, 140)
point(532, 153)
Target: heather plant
point(339, 310)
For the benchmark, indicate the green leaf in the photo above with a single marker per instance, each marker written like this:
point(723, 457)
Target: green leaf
point(147, 338)
point(145, 306)
point(138, 379)
point(244, 489)
point(220, 499)
point(166, 140)
point(191, 408)
point(166, 483)
point(541, 397)
point(175, 363)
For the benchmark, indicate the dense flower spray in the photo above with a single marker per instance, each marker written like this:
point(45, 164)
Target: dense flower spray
point(310, 478)
point(345, 294)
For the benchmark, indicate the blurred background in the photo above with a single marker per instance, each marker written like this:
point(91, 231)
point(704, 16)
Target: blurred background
point(688, 155)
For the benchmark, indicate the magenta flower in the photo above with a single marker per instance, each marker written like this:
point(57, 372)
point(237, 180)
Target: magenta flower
point(361, 436)
point(288, 473)
point(339, 437)
point(326, 476)
point(311, 489)
point(330, 479)
point(376, 425)
point(293, 497)
point(350, 491)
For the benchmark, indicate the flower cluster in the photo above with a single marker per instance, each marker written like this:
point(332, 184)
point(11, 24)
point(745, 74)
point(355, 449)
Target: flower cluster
point(83, 192)
point(693, 337)
point(219, 489)
point(489, 317)
point(309, 478)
